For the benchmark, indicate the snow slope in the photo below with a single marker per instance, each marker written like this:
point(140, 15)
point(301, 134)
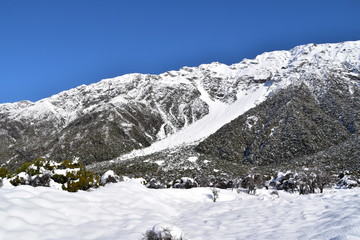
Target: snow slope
point(126, 210)
point(219, 114)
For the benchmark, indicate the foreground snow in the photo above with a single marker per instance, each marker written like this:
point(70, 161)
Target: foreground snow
point(126, 210)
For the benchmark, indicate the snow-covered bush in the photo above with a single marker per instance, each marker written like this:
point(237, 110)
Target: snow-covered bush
point(323, 180)
point(305, 182)
point(70, 175)
point(185, 182)
point(153, 183)
point(81, 180)
point(252, 182)
point(141, 181)
point(309, 180)
point(164, 232)
point(347, 181)
point(40, 180)
point(21, 178)
point(283, 181)
point(110, 177)
point(222, 182)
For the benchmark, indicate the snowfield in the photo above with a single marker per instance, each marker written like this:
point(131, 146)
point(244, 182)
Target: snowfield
point(126, 210)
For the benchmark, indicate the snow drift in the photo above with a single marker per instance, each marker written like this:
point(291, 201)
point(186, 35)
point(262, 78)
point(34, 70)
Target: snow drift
point(127, 210)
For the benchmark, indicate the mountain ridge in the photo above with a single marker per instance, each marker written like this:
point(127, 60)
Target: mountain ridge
point(113, 117)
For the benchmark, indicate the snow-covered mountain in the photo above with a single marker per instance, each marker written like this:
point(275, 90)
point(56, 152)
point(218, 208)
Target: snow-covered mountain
point(140, 114)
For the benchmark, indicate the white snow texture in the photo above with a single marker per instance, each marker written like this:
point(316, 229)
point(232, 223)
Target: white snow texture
point(126, 210)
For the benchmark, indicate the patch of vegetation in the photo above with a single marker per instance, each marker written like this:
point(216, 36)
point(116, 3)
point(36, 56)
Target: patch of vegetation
point(5, 173)
point(71, 175)
point(165, 234)
point(81, 180)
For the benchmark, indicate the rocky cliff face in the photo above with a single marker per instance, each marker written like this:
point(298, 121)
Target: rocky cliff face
point(280, 106)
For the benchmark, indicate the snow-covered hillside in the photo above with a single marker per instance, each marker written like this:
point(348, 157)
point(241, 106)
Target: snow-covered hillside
point(114, 117)
point(219, 114)
point(270, 72)
point(127, 210)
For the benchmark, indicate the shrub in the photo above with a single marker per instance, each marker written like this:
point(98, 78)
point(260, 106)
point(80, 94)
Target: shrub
point(305, 182)
point(81, 180)
point(347, 181)
point(20, 179)
point(71, 174)
point(252, 182)
point(40, 180)
point(163, 233)
point(156, 184)
point(67, 164)
point(215, 194)
point(34, 167)
point(59, 178)
point(4, 172)
point(185, 182)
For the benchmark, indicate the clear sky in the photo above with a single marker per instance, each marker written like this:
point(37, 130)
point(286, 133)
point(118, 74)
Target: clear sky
point(50, 46)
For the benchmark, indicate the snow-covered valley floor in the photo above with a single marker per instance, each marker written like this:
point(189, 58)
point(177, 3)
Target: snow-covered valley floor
point(125, 210)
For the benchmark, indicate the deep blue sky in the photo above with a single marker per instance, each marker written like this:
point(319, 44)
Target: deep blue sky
point(49, 46)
